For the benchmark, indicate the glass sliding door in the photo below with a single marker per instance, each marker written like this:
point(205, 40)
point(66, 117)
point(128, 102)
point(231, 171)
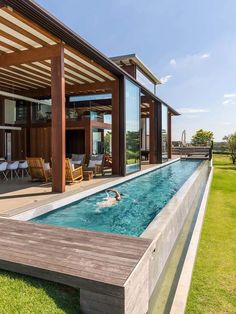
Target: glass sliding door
point(164, 133)
point(132, 127)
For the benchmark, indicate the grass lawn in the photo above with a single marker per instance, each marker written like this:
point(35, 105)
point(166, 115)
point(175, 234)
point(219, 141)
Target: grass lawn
point(213, 288)
point(26, 295)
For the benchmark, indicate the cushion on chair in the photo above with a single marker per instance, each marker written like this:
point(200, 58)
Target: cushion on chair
point(46, 166)
point(77, 157)
point(92, 163)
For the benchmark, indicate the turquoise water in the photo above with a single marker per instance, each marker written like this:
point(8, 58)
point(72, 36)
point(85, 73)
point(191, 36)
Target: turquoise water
point(143, 198)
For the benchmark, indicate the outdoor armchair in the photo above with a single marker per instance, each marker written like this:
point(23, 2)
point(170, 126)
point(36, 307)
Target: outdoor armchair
point(38, 169)
point(96, 164)
point(73, 174)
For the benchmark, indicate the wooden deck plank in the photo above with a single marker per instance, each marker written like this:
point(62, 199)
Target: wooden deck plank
point(92, 261)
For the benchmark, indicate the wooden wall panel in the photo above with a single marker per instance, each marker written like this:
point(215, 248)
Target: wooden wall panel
point(19, 144)
point(40, 143)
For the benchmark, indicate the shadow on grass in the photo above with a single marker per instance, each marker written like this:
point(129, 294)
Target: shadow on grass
point(66, 298)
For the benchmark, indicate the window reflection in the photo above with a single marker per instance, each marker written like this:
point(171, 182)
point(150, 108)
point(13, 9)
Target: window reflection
point(145, 81)
point(132, 123)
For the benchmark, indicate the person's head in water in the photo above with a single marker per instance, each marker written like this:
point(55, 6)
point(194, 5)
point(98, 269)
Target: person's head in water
point(117, 194)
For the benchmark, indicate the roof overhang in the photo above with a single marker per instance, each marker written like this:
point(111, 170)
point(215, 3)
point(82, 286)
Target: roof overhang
point(133, 59)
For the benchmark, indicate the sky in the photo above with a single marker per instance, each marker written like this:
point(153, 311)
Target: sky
point(189, 45)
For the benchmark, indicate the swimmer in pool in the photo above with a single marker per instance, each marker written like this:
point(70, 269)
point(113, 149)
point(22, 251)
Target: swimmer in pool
point(110, 200)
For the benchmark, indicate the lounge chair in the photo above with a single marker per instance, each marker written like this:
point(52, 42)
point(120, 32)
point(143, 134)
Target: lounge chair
point(96, 164)
point(3, 170)
point(73, 174)
point(78, 160)
point(38, 169)
point(12, 167)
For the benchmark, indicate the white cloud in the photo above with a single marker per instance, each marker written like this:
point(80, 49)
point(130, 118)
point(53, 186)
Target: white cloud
point(172, 62)
point(229, 102)
point(191, 116)
point(205, 55)
point(226, 123)
point(226, 102)
point(230, 95)
point(187, 110)
point(190, 60)
point(165, 79)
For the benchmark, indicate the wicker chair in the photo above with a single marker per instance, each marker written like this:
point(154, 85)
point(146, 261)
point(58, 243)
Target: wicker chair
point(78, 160)
point(96, 164)
point(73, 175)
point(38, 169)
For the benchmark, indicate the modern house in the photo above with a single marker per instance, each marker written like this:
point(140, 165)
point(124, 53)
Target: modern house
point(59, 95)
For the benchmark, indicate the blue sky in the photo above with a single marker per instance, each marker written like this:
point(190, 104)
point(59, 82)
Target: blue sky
point(190, 45)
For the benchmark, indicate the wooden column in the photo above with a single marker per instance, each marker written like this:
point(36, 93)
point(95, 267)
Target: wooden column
point(2, 132)
point(155, 133)
point(58, 121)
point(88, 139)
point(159, 133)
point(116, 169)
point(169, 135)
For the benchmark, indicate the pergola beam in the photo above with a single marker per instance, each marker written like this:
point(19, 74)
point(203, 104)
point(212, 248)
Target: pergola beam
point(28, 56)
point(73, 89)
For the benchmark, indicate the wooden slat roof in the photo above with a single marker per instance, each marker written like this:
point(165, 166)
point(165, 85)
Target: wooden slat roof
point(83, 61)
point(17, 34)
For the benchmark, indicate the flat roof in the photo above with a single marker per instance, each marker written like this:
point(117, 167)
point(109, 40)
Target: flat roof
point(31, 10)
point(134, 59)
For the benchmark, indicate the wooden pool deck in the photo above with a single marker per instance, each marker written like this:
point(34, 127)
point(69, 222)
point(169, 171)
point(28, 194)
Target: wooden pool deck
point(20, 195)
point(111, 270)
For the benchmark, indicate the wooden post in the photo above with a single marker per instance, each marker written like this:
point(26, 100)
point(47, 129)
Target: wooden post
point(159, 133)
point(155, 133)
point(58, 122)
point(2, 132)
point(88, 139)
point(169, 135)
point(115, 130)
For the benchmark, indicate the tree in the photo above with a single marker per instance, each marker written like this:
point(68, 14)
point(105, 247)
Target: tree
point(231, 144)
point(202, 138)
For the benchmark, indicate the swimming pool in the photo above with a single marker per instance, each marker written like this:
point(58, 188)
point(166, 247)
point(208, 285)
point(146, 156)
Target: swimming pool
point(143, 198)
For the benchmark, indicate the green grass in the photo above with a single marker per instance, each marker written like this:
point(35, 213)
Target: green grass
point(213, 288)
point(26, 295)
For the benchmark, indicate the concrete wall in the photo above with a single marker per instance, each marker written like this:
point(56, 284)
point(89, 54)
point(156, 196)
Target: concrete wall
point(166, 227)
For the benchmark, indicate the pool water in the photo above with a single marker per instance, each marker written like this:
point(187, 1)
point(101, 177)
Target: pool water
point(143, 198)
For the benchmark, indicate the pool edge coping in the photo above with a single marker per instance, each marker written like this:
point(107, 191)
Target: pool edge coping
point(184, 283)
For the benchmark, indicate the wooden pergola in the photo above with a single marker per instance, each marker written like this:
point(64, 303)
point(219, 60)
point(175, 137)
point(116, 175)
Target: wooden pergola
point(35, 63)
point(41, 58)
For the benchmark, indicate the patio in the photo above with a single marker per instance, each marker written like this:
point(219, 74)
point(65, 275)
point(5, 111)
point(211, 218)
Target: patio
point(20, 195)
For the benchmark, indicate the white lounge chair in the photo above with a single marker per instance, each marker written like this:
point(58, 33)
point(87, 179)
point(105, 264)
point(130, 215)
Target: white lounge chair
point(12, 167)
point(3, 169)
point(23, 167)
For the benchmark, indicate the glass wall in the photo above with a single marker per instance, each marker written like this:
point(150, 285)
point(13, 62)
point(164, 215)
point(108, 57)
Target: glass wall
point(164, 133)
point(145, 81)
point(41, 113)
point(132, 126)
point(102, 141)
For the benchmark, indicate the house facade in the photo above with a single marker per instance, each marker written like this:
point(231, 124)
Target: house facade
point(60, 96)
